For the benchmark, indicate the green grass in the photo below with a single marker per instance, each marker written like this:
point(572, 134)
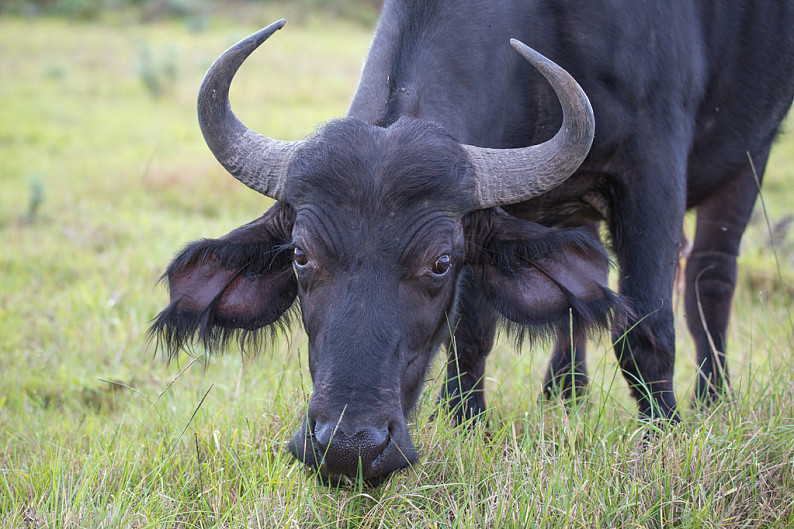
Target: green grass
point(103, 180)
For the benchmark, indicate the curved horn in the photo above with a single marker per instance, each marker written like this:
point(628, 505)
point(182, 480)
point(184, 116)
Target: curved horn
point(509, 176)
point(259, 162)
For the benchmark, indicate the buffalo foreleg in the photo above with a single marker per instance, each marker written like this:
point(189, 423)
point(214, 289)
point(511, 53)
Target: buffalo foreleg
point(647, 248)
point(474, 334)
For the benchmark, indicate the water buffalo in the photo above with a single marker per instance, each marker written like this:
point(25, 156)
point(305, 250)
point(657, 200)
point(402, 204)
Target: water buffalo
point(461, 190)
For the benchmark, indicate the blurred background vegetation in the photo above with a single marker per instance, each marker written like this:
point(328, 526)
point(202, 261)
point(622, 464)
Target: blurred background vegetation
point(195, 12)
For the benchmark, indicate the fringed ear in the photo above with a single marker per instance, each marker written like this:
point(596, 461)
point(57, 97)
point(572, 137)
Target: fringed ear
point(239, 286)
point(543, 279)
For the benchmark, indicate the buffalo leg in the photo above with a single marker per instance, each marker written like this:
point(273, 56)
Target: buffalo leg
point(711, 274)
point(474, 337)
point(567, 372)
point(647, 250)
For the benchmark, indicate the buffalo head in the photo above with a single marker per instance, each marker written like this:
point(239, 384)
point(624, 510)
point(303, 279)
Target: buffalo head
point(376, 232)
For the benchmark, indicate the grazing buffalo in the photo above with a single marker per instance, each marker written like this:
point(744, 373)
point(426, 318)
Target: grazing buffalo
point(462, 190)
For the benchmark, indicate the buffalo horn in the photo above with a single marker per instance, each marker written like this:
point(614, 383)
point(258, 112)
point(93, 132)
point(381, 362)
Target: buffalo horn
point(510, 176)
point(259, 162)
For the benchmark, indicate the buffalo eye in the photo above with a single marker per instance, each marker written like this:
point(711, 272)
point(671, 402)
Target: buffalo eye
point(300, 257)
point(441, 265)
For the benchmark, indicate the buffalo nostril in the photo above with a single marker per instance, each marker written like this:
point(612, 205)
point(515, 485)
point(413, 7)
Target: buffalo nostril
point(323, 433)
point(374, 437)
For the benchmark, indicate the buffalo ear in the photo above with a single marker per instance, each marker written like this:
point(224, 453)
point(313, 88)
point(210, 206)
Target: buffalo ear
point(542, 279)
point(235, 286)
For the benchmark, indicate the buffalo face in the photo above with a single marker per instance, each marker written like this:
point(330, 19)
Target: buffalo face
point(378, 248)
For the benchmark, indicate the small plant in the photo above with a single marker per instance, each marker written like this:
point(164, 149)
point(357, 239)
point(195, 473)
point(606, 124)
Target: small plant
point(36, 199)
point(157, 74)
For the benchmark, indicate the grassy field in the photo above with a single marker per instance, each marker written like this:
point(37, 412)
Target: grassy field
point(105, 176)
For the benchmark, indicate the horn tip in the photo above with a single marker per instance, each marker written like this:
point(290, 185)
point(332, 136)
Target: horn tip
point(254, 40)
point(272, 28)
point(525, 50)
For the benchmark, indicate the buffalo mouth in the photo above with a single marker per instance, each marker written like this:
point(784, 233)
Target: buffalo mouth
point(350, 458)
